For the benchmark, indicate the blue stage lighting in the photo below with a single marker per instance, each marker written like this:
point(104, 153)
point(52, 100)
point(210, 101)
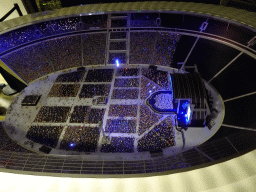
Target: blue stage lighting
point(188, 114)
point(71, 145)
point(184, 115)
point(171, 81)
point(117, 62)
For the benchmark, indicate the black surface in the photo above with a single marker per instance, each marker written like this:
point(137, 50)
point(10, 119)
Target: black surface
point(45, 149)
point(210, 57)
point(243, 140)
point(189, 85)
point(223, 132)
point(182, 49)
point(30, 6)
point(30, 100)
point(239, 34)
point(179, 21)
point(94, 21)
point(14, 83)
point(241, 112)
point(237, 79)
point(79, 2)
point(216, 27)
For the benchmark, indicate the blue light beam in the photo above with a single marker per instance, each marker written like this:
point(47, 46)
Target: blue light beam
point(71, 145)
point(117, 62)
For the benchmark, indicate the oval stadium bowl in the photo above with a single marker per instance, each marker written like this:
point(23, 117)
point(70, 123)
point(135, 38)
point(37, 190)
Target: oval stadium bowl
point(142, 89)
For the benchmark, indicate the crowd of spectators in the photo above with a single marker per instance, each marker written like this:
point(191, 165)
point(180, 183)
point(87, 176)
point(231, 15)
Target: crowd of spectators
point(7, 144)
point(147, 119)
point(148, 87)
point(62, 90)
point(131, 82)
point(85, 138)
point(71, 77)
point(45, 135)
point(17, 37)
point(165, 48)
point(46, 57)
point(125, 94)
point(120, 126)
point(30, 33)
point(79, 138)
point(99, 75)
point(55, 27)
point(127, 72)
point(160, 137)
point(91, 90)
point(117, 45)
point(95, 116)
point(119, 145)
point(122, 110)
point(64, 52)
point(53, 114)
point(118, 35)
point(163, 101)
point(49, 28)
point(159, 77)
point(80, 114)
point(153, 48)
point(29, 63)
point(94, 48)
point(141, 47)
point(86, 114)
point(120, 56)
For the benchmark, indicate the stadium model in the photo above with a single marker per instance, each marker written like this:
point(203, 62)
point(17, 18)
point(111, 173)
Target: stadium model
point(126, 90)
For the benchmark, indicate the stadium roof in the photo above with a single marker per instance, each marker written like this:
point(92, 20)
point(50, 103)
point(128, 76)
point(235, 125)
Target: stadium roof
point(226, 13)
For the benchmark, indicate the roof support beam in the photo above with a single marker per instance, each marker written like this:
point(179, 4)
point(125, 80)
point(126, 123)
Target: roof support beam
point(241, 96)
point(226, 66)
point(237, 127)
